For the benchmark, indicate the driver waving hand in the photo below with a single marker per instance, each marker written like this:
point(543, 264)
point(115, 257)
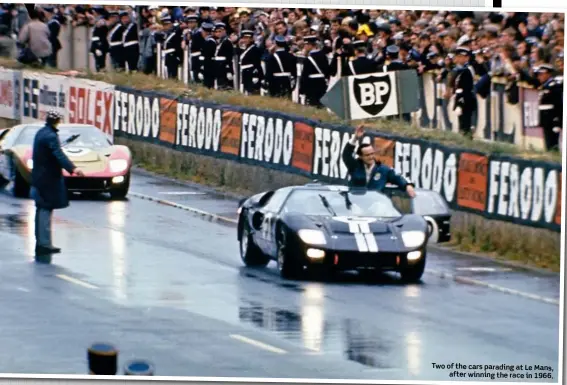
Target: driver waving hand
point(366, 171)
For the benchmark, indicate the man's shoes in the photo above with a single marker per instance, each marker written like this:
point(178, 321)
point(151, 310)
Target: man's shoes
point(47, 250)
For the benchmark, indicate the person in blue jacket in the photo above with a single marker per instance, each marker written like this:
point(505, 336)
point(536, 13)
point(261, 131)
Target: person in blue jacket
point(366, 171)
point(47, 183)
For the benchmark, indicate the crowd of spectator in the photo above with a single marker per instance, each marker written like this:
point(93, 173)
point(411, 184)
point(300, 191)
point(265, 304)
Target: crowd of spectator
point(505, 43)
point(512, 45)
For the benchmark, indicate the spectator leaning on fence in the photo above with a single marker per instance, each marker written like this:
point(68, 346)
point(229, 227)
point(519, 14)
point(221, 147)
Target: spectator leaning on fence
point(35, 41)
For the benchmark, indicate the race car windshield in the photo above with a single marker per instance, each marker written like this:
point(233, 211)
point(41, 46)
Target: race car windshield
point(337, 203)
point(90, 137)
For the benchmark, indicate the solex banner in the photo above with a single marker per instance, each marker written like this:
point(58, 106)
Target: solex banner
point(374, 95)
point(91, 102)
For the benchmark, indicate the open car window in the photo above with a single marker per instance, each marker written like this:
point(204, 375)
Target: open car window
point(275, 202)
point(428, 202)
point(425, 202)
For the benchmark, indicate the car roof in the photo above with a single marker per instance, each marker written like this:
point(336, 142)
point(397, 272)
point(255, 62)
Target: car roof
point(319, 187)
point(328, 187)
point(315, 186)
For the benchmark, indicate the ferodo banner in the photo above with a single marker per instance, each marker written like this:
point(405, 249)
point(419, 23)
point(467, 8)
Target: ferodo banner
point(91, 102)
point(509, 189)
point(525, 192)
point(136, 114)
point(429, 166)
point(197, 127)
point(42, 92)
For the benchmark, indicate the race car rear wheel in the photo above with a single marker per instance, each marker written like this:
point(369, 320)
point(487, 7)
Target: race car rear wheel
point(251, 254)
point(413, 273)
point(288, 267)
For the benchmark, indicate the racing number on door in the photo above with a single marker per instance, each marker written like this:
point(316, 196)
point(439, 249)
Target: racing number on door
point(267, 227)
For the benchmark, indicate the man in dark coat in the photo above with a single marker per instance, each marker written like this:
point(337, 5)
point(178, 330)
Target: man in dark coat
point(465, 98)
point(366, 171)
point(48, 186)
point(281, 70)
point(360, 65)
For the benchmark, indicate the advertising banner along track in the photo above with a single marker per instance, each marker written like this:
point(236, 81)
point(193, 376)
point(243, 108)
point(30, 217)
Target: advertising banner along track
point(497, 187)
point(80, 101)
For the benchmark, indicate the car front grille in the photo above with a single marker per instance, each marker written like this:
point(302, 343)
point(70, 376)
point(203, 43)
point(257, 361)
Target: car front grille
point(87, 184)
point(375, 260)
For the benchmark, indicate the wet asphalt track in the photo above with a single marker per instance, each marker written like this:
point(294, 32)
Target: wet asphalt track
point(164, 285)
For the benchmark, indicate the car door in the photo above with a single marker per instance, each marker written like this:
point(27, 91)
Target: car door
point(269, 217)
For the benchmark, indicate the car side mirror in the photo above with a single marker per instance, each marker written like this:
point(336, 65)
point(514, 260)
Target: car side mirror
point(257, 220)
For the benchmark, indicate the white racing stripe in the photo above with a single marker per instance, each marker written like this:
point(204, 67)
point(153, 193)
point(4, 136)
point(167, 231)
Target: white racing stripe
point(371, 241)
point(365, 240)
point(361, 242)
point(368, 236)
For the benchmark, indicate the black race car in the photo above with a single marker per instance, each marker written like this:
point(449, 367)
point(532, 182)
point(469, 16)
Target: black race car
point(330, 228)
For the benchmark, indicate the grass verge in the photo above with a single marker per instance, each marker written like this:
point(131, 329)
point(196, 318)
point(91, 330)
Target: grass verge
point(176, 88)
point(471, 233)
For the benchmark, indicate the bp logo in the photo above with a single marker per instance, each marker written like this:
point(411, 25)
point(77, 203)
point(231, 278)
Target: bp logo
point(372, 93)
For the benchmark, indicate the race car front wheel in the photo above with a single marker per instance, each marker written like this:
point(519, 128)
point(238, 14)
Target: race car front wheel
point(251, 254)
point(288, 267)
point(122, 191)
point(413, 273)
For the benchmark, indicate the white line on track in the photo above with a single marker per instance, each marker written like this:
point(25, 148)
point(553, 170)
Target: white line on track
point(182, 193)
point(502, 289)
point(484, 269)
point(76, 281)
point(258, 344)
point(441, 274)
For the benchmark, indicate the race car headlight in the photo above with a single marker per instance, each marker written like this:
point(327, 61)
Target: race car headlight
point(413, 238)
point(118, 165)
point(29, 163)
point(312, 237)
